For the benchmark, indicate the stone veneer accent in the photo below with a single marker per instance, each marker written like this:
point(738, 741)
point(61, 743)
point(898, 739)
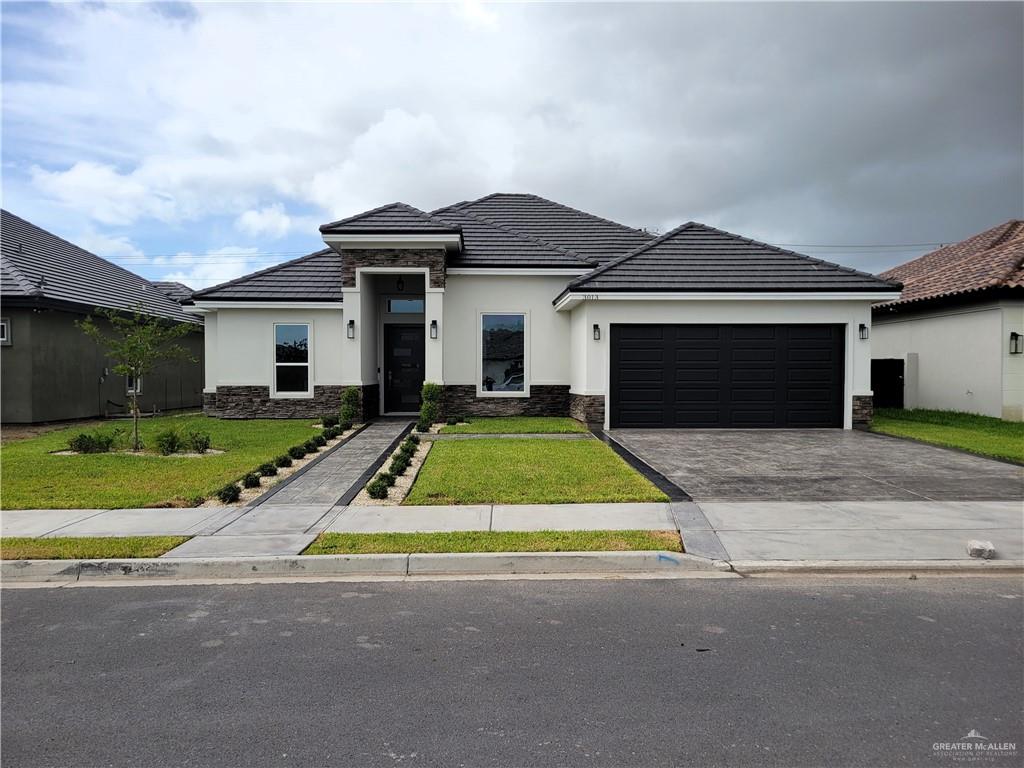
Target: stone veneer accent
point(255, 402)
point(544, 400)
point(587, 408)
point(863, 410)
point(392, 257)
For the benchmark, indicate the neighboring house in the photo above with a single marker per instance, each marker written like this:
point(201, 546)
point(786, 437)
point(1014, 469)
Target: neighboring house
point(49, 369)
point(955, 339)
point(519, 305)
point(177, 291)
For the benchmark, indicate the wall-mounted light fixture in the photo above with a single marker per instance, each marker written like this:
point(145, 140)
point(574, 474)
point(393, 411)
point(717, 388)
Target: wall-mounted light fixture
point(597, 332)
point(400, 284)
point(1016, 343)
point(350, 330)
point(433, 329)
point(863, 331)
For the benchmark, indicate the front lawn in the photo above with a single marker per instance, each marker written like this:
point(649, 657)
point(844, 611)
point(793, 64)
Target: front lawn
point(34, 478)
point(515, 425)
point(983, 435)
point(527, 471)
point(493, 541)
point(69, 548)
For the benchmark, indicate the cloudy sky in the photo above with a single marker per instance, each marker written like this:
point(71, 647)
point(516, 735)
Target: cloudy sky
point(199, 142)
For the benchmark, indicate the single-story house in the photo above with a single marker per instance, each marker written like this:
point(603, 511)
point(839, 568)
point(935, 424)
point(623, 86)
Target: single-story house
point(520, 305)
point(955, 339)
point(49, 369)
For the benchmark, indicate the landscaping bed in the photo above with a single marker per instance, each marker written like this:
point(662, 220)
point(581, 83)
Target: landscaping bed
point(390, 486)
point(983, 435)
point(494, 541)
point(91, 548)
point(527, 471)
point(513, 425)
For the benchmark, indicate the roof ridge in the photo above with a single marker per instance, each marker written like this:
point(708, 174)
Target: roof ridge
point(630, 254)
point(1010, 230)
point(566, 207)
point(272, 268)
point(396, 204)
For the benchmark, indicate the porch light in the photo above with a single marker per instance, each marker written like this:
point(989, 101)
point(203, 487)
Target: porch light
point(863, 331)
point(400, 285)
point(1016, 343)
point(597, 332)
point(350, 331)
point(433, 329)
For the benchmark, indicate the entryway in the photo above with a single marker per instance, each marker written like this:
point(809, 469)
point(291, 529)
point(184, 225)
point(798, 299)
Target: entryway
point(403, 369)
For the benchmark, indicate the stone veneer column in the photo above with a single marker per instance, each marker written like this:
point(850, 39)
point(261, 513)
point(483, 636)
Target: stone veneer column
point(863, 410)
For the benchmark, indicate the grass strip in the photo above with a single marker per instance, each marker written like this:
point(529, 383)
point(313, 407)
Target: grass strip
point(983, 435)
point(493, 541)
point(516, 425)
point(87, 548)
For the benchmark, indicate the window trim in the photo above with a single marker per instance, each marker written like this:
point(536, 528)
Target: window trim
point(5, 324)
point(129, 389)
point(480, 391)
point(308, 394)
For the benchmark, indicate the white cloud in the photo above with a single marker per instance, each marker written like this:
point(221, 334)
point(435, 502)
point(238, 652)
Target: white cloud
point(270, 221)
point(204, 270)
point(112, 247)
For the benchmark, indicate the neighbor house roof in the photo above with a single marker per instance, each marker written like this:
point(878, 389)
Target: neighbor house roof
point(37, 267)
point(991, 259)
point(316, 277)
point(177, 291)
point(696, 257)
point(390, 218)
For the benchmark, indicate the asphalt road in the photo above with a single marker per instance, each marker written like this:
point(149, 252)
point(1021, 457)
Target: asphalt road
point(803, 672)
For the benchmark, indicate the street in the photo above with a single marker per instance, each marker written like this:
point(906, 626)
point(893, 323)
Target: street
point(787, 672)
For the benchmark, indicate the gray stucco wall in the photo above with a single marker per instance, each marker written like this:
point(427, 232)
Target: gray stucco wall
point(51, 372)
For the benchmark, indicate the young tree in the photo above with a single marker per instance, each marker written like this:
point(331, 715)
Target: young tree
point(136, 343)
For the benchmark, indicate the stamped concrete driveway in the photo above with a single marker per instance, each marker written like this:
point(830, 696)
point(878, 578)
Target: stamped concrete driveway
point(818, 465)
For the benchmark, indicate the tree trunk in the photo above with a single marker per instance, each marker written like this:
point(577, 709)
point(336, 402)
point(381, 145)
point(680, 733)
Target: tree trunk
point(135, 420)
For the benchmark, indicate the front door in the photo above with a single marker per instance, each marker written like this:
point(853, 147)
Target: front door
point(403, 367)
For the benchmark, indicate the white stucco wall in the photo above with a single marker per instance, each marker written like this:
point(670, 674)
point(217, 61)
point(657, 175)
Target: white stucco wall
point(466, 296)
point(240, 352)
point(963, 357)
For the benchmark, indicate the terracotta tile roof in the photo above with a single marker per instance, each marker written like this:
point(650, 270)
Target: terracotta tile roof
point(991, 259)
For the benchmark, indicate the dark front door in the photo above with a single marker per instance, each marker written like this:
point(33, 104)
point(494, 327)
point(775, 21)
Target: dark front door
point(403, 367)
point(887, 382)
point(745, 376)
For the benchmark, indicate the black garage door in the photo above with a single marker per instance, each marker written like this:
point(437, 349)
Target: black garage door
point(726, 376)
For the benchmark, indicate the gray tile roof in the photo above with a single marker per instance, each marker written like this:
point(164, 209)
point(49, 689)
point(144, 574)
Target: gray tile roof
point(488, 244)
point(38, 266)
point(696, 257)
point(177, 291)
point(316, 277)
point(592, 237)
point(393, 217)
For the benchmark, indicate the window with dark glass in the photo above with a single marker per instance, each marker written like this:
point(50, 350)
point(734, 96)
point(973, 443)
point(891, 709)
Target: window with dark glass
point(405, 306)
point(291, 359)
point(503, 351)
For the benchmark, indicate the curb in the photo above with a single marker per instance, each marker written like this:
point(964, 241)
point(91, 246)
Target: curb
point(875, 567)
point(496, 563)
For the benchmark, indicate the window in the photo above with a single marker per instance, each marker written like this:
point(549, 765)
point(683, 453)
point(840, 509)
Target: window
point(5, 331)
point(133, 386)
point(405, 306)
point(291, 359)
point(503, 355)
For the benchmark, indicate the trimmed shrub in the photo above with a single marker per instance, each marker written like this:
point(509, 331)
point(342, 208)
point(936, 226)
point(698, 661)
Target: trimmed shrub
point(399, 464)
point(351, 400)
point(386, 477)
point(229, 493)
point(197, 442)
point(330, 433)
point(251, 480)
point(310, 446)
point(329, 421)
point(430, 411)
point(407, 449)
point(452, 421)
point(284, 460)
point(268, 469)
point(92, 442)
point(423, 426)
point(344, 426)
point(297, 451)
point(320, 440)
point(168, 441)
point(414, 439)
point(377, 489)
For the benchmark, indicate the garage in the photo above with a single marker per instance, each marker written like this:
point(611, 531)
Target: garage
point(726, 376)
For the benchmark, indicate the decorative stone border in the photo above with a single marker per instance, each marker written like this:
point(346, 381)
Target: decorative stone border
point(403, 483)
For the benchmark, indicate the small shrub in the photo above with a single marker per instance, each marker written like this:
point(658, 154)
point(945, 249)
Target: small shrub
point(320, 440)
point(251, 480)
point(229, 493)
point(92, 442)
point(430, 411)
point(344, 426)
point(197, 442)
point(377, 489)
point(310, 446)
point(399, 464)
point(297, 451)
point(331, 432)
point(268, 469)
point(329, 421)
point(414, 439)
point(284, 460)
point(168, 441)
point(423, 426)
point(407, 449)
point(452, 421)
point(350, 403)
point(386, 477)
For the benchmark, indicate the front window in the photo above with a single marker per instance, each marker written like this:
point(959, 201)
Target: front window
point(503, 354)
point(405, 306)
point(5, 331)
point(133, 386)
point(291, 359)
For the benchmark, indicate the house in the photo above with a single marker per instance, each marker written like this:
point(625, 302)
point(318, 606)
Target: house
point(49, 369)
point(520, 305)
point(955, 339)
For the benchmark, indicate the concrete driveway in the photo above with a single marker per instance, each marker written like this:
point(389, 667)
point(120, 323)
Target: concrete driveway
point(818, 465)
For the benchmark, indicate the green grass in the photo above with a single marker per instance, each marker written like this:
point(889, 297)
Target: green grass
point(527, 471)
point(983, 435)
point(33, 478)
point(19, 548)
point(516, 425)
point(493, 541)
